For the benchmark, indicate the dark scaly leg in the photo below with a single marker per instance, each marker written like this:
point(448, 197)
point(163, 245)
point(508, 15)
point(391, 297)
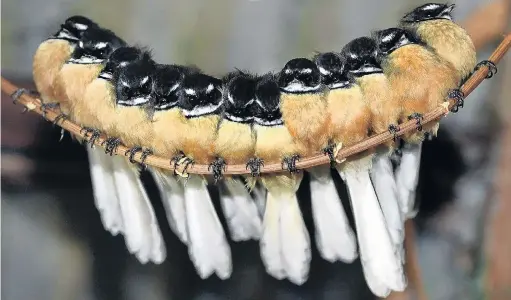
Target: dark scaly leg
point(255, 164)
point(492, 68)
point(132, 153)
point(112, 143)
point(458, 95)
point(394, 129)
point(218, 167)
point(94, 135)
point(329, 150)
point(46, 106)
point(290, 163)
point(17, 94)
point(175, 161)
point(60, 118)
point(418, 117)
point(145, 153)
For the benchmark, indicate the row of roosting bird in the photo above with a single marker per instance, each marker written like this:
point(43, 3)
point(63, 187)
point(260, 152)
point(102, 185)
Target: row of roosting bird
point(313, 105)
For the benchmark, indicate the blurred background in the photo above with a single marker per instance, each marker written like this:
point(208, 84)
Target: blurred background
point(53, 243)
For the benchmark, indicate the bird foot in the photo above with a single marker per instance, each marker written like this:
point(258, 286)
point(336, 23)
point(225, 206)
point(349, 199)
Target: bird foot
point(111, 144)
point(418, 117)
point(145, 153)
point(492, 68)
point(218, 167)
point(394, 129)
point(94, 135)
point(330, 151)
point(255, 164)
point(17, 94)
point(185, 161)
point(457, 95)
point(60, 118)
point(132, 152)
point(46, 106)
point(290, 163)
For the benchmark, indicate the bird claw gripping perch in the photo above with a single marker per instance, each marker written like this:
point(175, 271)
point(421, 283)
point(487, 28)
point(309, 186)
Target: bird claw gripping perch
point(329, 150)
point(457, 95)
point(46, 106)
point(290, 163)
point(15, 96)
point(492, 68)
point(111, 144)
point(60, 118)
point(418, 117)
point(218, 167)
point(394, 129)
point(132, 153)
point(94, 135)
point(145, 153)
point(254, 164)
point(182, 159)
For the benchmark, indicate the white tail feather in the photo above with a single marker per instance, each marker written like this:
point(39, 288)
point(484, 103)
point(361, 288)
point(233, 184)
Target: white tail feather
point(207, 245)
point(296, 251)
point(259, 195)
point(271, 241)
point(382, 177)
point(173, 197)
point(383, 269)
point(240, 211)
point(334, 237)
point(105, 194)
point(141, 231)
point(407, 177)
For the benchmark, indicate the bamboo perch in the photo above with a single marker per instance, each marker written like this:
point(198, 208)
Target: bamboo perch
point(34, 104)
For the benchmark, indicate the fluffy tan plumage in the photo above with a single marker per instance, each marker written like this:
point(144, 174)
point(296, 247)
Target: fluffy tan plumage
point(48, 60)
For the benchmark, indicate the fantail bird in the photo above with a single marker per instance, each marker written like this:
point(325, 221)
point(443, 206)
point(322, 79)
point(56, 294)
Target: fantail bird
point(380, 257)
point(200, 101)
point(285, 242)
point(235, 144)
point(96, 109)
point(129, 121)
point(167, 83)
point(362, 63)
point(305, 115)
point(421, 80)
point(433, 24)
point(51, 55)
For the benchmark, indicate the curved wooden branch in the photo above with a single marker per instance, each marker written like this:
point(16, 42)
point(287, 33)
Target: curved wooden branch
point(35, 105)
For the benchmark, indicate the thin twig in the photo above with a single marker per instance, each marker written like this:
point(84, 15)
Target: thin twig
point(319, 159)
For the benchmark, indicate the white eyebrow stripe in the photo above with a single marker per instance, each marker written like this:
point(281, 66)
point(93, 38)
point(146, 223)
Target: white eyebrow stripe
point(388, 37)
point(100, 45)
point(230, 98)
point(353, 55)
point(174, 87)
point(80, 44)
point(287, 71)
point(210, 88)
point(145, 79)
point(324, 71)
point(431, 7)
point(306, 71)
point(190, 92)
point(124, 83)
point(81, 26)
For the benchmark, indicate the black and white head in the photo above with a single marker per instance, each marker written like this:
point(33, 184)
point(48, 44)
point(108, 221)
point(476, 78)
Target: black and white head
point(239, 95)
point(430, 11)
point(133, 83)
point(266, 108)
point(73, 28)
point(200, 95)
point(95, 46)
point(300, 75)
point(361, 57)
point(121, 57)
point(333, 72)
point(391, 39)
point(167, 84)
